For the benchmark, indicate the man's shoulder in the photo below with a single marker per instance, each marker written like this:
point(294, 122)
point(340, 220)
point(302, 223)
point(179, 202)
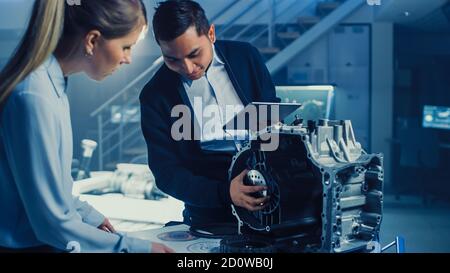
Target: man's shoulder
point(227, 46)
point(238, 54)
point(160, 84)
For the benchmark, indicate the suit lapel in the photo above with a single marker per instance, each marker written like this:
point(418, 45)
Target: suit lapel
point(195, 126)
point(233, 79)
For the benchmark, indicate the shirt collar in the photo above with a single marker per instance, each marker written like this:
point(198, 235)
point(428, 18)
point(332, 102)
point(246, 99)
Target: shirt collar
point(216, 59)
point(56, 75)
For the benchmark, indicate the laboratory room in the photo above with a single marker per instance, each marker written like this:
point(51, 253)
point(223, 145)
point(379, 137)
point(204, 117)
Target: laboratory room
point(232, 126)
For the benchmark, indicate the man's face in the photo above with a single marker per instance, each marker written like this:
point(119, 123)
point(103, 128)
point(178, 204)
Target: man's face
point(189, 54)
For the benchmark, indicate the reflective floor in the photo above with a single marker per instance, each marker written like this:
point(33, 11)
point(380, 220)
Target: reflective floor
point(425, 227)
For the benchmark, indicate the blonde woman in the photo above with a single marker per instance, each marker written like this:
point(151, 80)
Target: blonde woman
point(38, 211)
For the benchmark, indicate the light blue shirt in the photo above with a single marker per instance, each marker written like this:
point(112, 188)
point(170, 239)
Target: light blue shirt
point(36, 202)
point(215, 102)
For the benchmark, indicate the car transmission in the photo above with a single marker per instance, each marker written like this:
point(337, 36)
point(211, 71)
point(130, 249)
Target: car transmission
point(325, 191)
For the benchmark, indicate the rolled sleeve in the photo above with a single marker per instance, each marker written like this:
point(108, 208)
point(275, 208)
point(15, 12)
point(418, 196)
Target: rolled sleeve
point(138, 245)
point(88, 213)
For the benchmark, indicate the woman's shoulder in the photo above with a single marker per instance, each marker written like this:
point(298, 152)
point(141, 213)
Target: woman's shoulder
point(37, 83)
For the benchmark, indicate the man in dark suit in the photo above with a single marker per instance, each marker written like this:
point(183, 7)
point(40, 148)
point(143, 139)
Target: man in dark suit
point(198, 69)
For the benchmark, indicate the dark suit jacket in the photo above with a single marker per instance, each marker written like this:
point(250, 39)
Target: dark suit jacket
point(181, 168)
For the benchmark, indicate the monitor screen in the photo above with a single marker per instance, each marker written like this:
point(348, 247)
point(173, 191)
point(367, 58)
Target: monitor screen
point(436, 117)
point(316, 101)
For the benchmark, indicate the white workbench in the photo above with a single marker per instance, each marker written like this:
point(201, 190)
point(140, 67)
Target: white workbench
point(130, 214)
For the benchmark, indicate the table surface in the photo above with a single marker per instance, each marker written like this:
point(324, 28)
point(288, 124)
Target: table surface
point(119, 207)
point(179, 239)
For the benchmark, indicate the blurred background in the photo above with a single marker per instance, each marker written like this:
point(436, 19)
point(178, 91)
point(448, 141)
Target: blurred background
point(383, 64)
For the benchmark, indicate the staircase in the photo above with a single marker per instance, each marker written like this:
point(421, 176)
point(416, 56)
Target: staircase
point(291, 26)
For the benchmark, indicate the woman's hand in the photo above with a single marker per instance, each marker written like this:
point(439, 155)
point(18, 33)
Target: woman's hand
point(107, 226)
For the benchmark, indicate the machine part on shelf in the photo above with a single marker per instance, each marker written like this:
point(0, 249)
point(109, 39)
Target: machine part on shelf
point(92, 184)
point(88, 149)
point(132, 180)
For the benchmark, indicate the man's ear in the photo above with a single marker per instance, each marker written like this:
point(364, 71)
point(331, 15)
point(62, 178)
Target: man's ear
point(91, 41)
point(212, 33)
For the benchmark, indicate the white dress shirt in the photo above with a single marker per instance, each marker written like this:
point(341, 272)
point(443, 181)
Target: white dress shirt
point(215, 102)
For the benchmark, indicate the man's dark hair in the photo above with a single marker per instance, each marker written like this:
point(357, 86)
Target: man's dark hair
point(172, 18)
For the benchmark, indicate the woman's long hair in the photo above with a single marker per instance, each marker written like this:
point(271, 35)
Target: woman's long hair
point(40, 40)
point(54, 21)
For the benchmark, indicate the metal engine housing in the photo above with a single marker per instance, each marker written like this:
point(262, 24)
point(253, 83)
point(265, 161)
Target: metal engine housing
point(326, 192)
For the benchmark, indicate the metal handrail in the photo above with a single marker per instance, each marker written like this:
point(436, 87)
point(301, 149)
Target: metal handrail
point(155, 64)
point(125, 106)
point(304, 5)
point(248, 26)
point(229, 24)
point(116, 130)
point(112, 148)
point(325, 24)
point(136, 138)
point(222, 11)
point(149, 70)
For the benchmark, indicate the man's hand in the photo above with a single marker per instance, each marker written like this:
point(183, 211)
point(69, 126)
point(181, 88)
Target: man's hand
point(240, 194)
point(160, 248)
point(107, 226)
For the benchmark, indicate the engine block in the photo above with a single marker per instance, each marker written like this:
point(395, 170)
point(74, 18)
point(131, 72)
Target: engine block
point(326, 192)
